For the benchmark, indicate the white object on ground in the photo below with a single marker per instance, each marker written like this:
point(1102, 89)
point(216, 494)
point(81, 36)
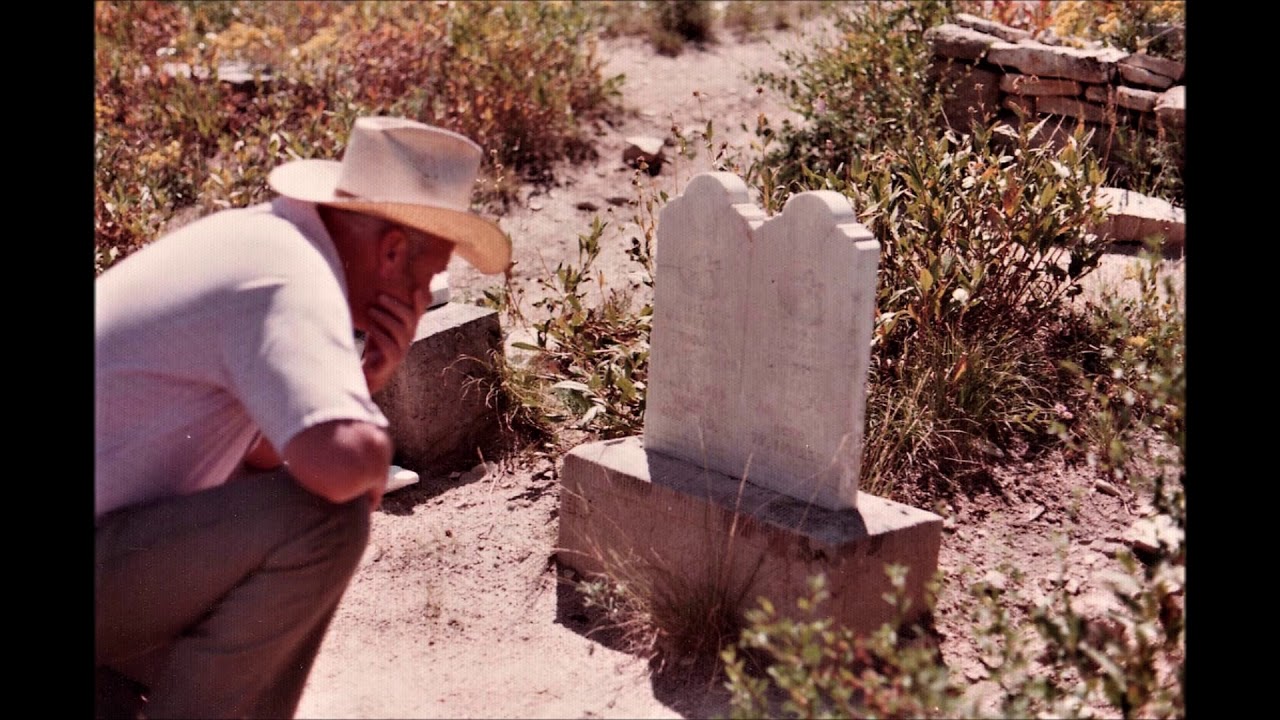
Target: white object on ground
point(439, 289)
point(398, 477)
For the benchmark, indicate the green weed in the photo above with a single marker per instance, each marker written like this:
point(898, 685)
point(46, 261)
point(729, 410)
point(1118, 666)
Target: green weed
point(864, 89)
point(808, 667)
point(592, 354)
point(1133, 368)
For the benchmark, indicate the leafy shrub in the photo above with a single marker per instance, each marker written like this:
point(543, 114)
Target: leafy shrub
point(522, 79)
point(1133, 370)
point(987, 230)
point(814, 669)
point(1157, 28)
point(864, 90)
point(983, 236)
point(593, 356)
point(151, 126)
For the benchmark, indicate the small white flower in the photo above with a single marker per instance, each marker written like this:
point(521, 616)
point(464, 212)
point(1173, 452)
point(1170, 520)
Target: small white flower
point(960, 295)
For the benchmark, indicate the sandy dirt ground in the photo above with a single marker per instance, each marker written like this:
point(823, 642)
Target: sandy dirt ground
point(458, 610)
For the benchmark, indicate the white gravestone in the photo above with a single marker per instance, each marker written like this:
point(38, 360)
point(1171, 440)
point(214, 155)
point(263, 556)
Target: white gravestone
point(761, 339)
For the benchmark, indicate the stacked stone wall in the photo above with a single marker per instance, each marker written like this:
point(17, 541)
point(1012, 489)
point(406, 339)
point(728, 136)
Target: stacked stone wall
point(1000, 72)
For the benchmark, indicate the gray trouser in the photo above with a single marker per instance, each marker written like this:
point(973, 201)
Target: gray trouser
point(217, 602)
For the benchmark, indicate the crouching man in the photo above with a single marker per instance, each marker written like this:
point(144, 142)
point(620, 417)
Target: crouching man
point(238, 451)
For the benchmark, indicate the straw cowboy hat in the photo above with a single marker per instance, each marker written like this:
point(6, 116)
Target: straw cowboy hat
point(412, 174)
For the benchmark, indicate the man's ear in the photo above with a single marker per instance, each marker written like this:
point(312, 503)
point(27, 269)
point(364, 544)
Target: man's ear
point(393, 252)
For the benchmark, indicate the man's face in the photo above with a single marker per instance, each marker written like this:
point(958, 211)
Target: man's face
point(427, 257)
point(382, 259)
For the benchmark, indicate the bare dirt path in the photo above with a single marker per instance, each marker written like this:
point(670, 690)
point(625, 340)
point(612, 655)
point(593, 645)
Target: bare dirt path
point(457, 612)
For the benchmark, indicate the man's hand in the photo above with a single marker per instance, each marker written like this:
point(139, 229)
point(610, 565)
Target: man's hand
point(393, 326)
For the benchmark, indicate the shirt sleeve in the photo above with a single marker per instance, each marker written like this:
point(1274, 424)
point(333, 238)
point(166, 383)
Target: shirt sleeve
point(291, 354)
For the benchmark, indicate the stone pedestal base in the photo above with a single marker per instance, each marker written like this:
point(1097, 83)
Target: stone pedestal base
point(624, 510)
point(439, 401)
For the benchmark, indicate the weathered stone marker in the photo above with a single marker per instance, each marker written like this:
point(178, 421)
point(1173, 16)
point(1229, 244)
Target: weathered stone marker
point(761, 339)
point(746, 478)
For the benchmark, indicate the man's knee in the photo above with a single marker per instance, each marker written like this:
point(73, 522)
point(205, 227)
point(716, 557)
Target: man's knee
point(309, 531)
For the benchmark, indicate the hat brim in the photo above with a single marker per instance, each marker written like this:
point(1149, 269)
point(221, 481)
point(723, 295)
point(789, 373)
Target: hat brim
point(478, 241)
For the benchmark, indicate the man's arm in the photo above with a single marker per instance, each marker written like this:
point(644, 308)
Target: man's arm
point(344, 459)
point(341, 460)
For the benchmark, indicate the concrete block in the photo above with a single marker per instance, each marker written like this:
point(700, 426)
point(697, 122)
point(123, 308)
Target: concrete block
point(1132, 217)
point(628, 512)
point(439, 401)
